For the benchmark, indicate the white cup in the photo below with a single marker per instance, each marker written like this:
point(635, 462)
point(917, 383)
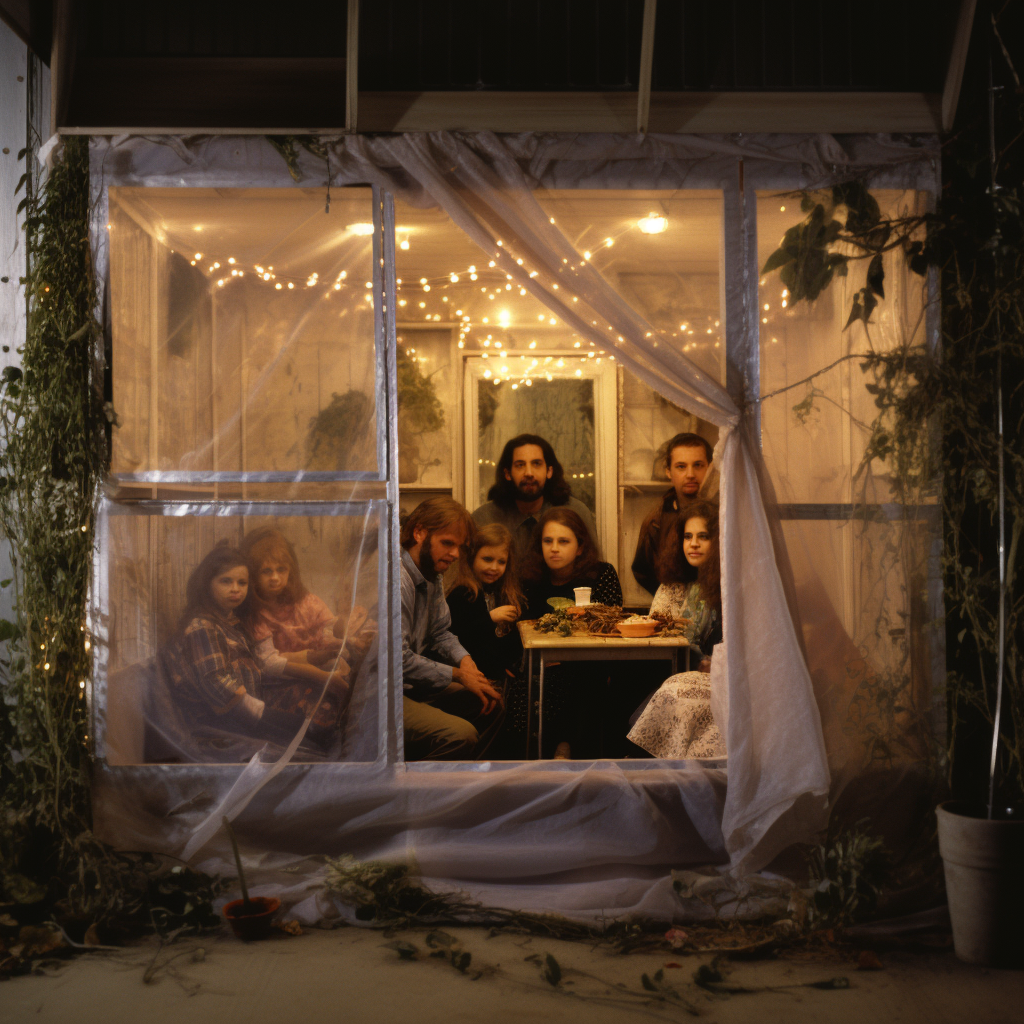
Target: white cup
point(582, 596)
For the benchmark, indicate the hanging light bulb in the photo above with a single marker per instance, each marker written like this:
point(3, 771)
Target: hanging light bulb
point(360, 229)
point(652, 224)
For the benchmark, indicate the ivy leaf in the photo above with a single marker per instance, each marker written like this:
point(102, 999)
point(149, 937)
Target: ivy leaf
point(856, 311)
point(876, 275)
point(779, 258)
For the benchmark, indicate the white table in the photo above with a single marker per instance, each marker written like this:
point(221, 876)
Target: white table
point(584, 647)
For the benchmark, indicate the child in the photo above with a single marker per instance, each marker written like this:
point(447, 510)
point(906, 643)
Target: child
point(211, 664)
point(485, 602)
point(563, 556)
point(294, 629)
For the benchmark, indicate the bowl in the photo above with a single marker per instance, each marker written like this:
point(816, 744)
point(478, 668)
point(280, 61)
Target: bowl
point(255, 924)
point(637, 629)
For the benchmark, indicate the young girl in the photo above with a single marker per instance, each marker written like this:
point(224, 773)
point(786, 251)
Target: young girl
point(211, 664)
point(294, 629)
point(689, 567)
point(562, 557)
point(485, 602)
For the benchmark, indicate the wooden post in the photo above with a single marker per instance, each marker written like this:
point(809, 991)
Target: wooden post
point(957, 60)
point(352, 68)
point(643, 107)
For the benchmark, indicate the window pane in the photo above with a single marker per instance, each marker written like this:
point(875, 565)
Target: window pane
point(815, 431)
point(165, 703)
point(243, 333)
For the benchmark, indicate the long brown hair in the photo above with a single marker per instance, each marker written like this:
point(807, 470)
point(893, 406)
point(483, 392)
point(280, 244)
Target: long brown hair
point(503, 491)
point(437, 514)
point(199, 600)
point(535, 568)
point(268, 543)
point(493, 535)
point(672, 564)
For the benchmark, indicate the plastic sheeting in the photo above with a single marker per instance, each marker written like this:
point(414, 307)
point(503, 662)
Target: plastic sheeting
point(502, 829)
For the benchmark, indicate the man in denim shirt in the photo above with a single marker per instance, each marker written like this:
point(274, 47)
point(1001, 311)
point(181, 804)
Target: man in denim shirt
point(450, 709)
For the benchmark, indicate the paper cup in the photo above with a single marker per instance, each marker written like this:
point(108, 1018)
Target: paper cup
point(582, 595)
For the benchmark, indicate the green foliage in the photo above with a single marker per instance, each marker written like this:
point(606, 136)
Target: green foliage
point(338, 433)
point(846, 874)
point(935, 434)
point(53, 450)
point(52, 435)
point(419, 409)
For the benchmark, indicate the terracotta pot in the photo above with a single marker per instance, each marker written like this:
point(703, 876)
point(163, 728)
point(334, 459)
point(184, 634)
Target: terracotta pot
point(984, 866)
point(252, 926)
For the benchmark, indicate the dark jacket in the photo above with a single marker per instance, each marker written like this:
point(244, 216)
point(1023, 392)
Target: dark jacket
point(604, 589)
point(478, 633)
point(655, 526)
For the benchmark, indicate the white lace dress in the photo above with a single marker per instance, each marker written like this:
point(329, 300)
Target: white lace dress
point(683, 601)
point(677, 722)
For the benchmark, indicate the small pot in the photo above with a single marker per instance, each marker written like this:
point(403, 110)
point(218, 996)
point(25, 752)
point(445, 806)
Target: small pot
point(254, 925)
point(983, 860)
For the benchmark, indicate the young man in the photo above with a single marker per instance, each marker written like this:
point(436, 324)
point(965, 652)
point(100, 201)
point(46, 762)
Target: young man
point(527, 480)
point(447, 704)
point(687, 461)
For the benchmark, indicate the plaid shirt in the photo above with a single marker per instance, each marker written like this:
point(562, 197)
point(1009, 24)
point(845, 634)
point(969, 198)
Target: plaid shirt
point(212, 666)
point(426, 626)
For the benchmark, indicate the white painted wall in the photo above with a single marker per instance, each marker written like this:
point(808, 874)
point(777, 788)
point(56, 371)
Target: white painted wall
point(24, 102)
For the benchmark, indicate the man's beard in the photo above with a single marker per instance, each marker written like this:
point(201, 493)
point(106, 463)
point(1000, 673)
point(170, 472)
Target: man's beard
point(531, 495)
point(427, 566)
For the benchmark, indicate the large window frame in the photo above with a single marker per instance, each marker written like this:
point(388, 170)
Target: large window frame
point(742, 360)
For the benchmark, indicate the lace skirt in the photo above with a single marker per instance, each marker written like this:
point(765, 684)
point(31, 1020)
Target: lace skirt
point(677, 721)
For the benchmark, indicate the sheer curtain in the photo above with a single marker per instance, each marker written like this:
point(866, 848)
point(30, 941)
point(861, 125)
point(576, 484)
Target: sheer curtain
point(515, 832)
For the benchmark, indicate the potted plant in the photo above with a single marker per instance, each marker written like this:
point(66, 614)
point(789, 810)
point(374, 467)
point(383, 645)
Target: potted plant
point(250, 919)
point(970, 396)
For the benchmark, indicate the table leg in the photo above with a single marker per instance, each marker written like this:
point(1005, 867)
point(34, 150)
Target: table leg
point(540, 711)
point(529, 698)
point(687, 657)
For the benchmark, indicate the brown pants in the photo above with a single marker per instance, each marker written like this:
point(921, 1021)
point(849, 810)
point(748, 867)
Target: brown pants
point(451, 727)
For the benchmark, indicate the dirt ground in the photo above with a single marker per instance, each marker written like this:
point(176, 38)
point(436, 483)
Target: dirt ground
point(355, 976)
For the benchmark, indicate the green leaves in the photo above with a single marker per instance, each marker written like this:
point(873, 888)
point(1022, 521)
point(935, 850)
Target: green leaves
point(804, 260)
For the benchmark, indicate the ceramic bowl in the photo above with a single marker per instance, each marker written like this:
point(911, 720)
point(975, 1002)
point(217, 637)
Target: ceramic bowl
point(637, 629)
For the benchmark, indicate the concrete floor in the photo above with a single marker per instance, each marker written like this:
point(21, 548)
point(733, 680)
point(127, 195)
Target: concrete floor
point(349, 975)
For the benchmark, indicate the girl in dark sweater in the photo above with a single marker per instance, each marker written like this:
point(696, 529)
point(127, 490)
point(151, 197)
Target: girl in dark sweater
point(485, 602)
point(562, 557)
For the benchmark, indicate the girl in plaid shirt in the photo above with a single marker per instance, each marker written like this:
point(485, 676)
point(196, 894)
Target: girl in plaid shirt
point(211, 664)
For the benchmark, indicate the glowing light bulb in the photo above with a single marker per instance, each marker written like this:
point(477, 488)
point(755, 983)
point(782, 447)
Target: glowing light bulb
point(652, 224)
point(361, 228)
point(454, 278)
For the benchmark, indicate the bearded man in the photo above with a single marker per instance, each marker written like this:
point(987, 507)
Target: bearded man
point(528, 480)
point(451, 710)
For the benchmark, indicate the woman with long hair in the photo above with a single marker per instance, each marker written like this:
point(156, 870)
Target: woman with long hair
point(562, 557)
point(689, 568)
point(675, 721)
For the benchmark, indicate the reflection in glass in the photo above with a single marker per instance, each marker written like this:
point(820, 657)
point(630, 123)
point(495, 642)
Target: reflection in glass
point(211, 655)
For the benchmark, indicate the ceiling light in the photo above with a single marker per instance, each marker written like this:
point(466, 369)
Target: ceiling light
point(652, 224)
point(360, 229)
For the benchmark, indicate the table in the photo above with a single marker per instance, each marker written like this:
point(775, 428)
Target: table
point(583, 647)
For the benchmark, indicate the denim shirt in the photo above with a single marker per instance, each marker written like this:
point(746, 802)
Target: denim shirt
point(426, 626)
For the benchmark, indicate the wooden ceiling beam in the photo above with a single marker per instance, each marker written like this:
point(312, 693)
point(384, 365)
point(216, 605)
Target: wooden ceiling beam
point(957, 62)
point(695, 112)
